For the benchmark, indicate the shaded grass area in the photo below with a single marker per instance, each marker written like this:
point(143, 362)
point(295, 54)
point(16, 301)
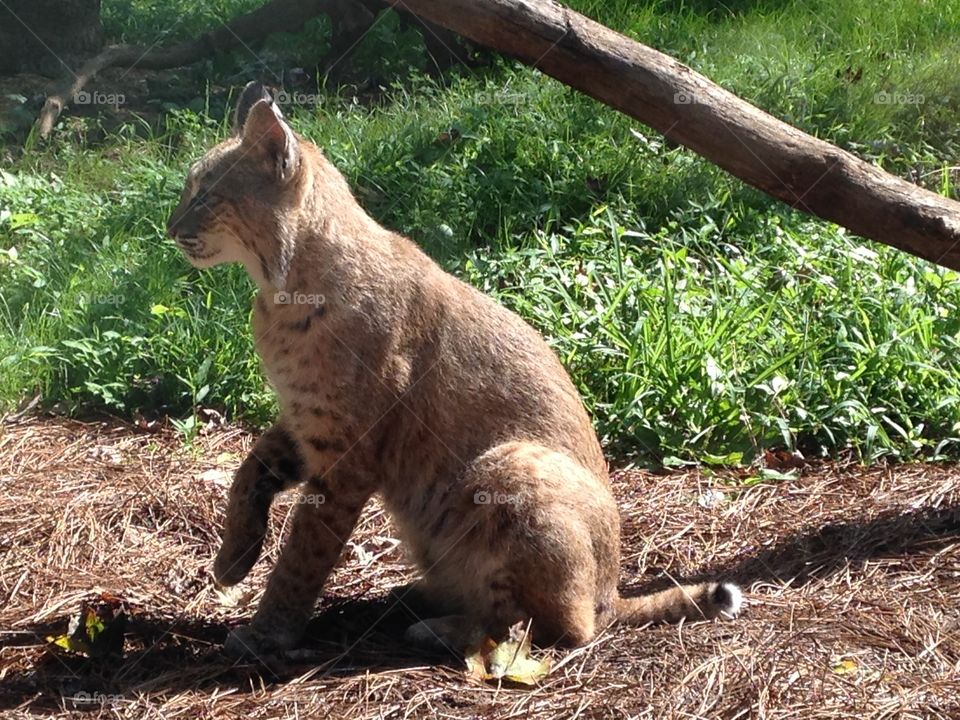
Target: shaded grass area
point(851, 579)
point(699, 318)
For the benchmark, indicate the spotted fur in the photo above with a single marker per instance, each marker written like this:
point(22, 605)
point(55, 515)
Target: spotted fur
point(395, 378)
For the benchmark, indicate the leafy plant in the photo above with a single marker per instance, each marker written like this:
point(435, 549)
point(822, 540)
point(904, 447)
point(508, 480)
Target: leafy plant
point(700, 319)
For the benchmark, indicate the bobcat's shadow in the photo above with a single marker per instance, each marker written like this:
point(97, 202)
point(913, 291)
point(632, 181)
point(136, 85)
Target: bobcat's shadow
point(816, 554)
point(348, 637)
point(808, 556)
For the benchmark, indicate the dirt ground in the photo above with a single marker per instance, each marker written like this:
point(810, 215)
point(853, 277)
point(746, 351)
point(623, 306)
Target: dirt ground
point(851, 578)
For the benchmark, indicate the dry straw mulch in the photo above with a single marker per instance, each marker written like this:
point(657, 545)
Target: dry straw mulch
point(852, 579)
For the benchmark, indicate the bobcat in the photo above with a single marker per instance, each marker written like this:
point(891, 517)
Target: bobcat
point(396, 378)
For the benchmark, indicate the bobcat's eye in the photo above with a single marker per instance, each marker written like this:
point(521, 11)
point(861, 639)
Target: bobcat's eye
point(201, 198)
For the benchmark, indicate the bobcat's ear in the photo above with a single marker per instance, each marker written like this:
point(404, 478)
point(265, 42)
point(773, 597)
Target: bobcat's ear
point(251, 95)
point(265, 131)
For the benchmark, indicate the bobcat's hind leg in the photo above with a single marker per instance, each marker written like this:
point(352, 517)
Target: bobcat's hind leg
point(450, 633)
point(423, 598)
point(273, 465)
point(490, 616)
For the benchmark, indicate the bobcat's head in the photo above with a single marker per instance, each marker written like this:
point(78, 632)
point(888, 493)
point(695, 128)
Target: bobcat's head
point(241, 200)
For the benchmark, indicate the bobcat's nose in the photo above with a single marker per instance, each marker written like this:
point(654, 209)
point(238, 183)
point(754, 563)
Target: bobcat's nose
point(172, 226)
point(182, 233)
point(181, 225)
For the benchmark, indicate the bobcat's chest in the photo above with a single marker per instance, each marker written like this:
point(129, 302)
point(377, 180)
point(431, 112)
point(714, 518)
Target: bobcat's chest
point(294, 345)
point(337, 381)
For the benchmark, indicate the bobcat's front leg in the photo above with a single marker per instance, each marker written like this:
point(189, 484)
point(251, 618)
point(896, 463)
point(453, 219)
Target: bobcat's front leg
point(325, 517)
point(273, 465)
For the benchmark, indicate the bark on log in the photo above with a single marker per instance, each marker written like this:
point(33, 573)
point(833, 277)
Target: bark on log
point(806, 173)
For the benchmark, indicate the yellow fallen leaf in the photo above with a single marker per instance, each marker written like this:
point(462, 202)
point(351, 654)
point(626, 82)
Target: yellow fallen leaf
point(95, 632)
point(477, 660)
point(510, 659)
point(847, 666)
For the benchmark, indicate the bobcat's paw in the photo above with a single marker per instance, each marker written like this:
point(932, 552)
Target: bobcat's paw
point(232, 564)
point(453, 634)
point(248, 643)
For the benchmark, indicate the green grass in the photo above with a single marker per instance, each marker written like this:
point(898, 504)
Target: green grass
point(700, 318)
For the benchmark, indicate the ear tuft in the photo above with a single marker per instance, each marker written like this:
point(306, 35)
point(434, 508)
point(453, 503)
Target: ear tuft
point(253, 93)
point(266, 134)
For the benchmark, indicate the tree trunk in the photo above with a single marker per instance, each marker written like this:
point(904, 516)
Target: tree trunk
point(806, 173)
point(48, 36)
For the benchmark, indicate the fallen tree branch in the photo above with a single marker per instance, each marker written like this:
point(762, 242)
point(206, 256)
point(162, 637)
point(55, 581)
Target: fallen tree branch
point(351, 20)
point(117, 55)
point(275, 16)
point(806, 173)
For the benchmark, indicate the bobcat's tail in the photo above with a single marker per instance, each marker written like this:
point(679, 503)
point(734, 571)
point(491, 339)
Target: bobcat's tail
point(704, 601)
